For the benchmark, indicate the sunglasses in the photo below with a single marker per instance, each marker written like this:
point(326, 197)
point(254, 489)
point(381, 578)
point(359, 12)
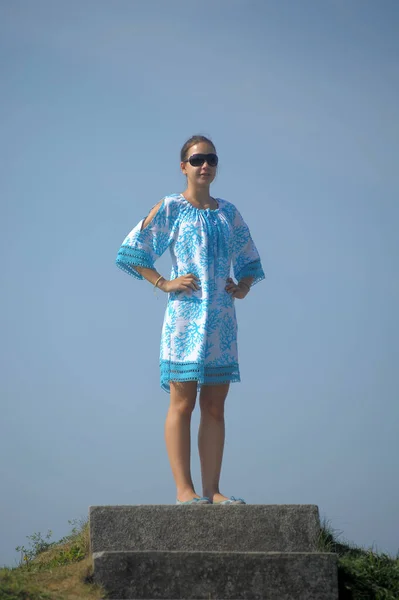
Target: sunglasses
point(197, 160)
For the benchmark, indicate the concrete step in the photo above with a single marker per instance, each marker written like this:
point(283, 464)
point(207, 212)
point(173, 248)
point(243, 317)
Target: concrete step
point(217, 575)
point(206, 528)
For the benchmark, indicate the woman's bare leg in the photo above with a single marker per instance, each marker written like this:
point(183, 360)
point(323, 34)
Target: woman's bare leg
point(178, 436)
point(211, 437)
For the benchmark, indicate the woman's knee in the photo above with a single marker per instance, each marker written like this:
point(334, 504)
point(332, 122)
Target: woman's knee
point(183, 396)
point(212, 401)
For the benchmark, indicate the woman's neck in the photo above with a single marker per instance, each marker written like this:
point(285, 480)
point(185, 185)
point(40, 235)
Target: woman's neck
point(200, 197)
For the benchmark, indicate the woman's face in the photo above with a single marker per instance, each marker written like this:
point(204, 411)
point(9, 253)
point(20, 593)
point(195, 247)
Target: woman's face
point(203, 175)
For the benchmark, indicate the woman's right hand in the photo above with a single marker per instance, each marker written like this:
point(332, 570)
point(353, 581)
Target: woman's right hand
point(180, 284)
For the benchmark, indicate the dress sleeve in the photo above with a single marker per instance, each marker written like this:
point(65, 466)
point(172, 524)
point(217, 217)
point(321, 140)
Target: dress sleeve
point(142, 247)
point(246, 260)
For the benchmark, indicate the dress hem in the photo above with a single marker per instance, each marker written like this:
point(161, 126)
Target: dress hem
point(194, 371)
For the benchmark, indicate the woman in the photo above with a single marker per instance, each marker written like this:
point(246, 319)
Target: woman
point(206, 236)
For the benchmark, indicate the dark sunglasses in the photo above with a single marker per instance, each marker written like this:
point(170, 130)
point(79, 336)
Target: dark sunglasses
point(197, 160)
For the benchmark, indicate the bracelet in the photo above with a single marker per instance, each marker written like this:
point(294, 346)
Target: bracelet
point(156, 283)
point(246, 285)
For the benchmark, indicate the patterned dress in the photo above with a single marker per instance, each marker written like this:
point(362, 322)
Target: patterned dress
point(199, 333)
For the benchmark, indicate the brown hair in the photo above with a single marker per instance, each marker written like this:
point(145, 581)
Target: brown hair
point(195, 139)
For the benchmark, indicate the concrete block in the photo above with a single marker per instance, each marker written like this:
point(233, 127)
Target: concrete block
point(217, 575)
point(235, 528)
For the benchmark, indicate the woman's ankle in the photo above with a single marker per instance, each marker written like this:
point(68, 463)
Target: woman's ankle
point(185, 494)
point(210, 492)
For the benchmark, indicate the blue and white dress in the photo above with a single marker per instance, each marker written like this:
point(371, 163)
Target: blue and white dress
point(199, 333)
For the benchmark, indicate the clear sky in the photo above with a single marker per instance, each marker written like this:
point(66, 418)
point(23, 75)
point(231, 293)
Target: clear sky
point(301, 100)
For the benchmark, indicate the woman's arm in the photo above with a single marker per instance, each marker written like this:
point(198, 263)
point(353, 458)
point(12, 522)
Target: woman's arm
point(152, 276)
point(239, 290)
point(182, 283)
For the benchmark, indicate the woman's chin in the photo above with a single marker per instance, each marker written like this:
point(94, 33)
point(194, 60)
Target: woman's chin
point(202, 180)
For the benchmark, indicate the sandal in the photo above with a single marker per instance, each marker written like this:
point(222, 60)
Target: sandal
point(232, 500)
point(202, 500)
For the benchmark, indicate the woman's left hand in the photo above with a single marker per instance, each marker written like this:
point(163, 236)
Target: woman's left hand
point(235, 290)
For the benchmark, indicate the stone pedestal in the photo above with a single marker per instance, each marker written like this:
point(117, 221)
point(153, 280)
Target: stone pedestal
point(211, 552)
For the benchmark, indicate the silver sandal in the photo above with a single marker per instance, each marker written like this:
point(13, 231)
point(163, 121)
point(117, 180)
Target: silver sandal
point(203, 500)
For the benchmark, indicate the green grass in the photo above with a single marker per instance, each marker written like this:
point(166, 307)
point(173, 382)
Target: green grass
point(63, 570)
point(53, 570)
point(15, 585)
point(363, 574)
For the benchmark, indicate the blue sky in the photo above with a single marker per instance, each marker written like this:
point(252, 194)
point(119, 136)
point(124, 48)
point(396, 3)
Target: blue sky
point(97, 98)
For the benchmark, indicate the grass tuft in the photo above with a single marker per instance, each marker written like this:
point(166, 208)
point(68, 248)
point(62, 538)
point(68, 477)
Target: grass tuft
point(363, 574)
point(49, 570)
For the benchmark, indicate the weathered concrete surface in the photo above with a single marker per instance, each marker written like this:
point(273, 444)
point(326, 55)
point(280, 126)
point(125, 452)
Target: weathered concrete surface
point(217, 575)
point(240, 528)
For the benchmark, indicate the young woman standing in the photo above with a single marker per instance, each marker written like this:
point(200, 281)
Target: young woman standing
point(206, 236)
